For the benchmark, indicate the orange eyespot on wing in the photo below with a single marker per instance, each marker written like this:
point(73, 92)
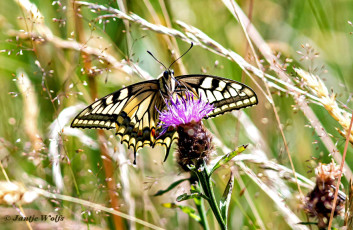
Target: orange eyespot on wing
point(153, 133)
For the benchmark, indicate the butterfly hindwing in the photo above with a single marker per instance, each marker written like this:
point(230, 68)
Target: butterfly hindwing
point(138, 119)
point(166, 139)
point(225, 94)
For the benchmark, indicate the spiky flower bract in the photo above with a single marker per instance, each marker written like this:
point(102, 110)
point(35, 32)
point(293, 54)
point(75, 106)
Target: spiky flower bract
point(195, 141)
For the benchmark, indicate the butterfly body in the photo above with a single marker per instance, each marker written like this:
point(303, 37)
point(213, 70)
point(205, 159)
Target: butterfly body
point(133, 110)
point(167, 83)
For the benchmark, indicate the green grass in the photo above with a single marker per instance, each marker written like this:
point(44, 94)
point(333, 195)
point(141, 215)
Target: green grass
point(60, 82)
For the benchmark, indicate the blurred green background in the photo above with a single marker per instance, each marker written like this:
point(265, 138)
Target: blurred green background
point(59, 80)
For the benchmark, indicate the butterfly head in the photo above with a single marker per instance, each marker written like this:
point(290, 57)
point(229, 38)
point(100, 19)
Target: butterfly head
point(168, 74)
point(169, 81)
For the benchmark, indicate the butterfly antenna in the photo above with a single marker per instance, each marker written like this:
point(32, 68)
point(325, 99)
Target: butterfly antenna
point(192, 44)
point(156, 59)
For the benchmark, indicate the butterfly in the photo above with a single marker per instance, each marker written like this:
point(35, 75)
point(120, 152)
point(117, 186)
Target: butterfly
point(133, 110)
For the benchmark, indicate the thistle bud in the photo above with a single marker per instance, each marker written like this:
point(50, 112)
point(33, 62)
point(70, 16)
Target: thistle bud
point(194, 144)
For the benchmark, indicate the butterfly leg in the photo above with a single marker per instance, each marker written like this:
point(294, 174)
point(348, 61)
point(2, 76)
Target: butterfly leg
point(134, 158)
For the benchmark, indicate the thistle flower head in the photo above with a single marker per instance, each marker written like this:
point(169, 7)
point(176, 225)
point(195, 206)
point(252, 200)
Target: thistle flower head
point(184, 110)
point(195, 141)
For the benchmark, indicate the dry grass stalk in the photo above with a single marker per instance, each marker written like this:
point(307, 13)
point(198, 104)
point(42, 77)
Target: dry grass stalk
point(34, 15)
point(275, 190)
point(261, 149)
point(275, 172)
point(127, 67)
point(30, 114)
point(269, 95)
point(169, 40)
point(277, 66)
point(61, 126)
point(290, 216)
point(42, 33)
point(318, 87)
point(196, 36)
point(104, 151)
point(119, 155)
point(250, 200)
point(94, 206)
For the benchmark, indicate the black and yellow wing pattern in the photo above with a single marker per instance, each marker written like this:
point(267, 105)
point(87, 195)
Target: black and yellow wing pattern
point(132, 111)
point(225, 94)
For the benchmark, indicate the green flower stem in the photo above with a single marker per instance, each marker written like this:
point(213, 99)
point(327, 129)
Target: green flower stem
point(199, 203)
point(201, 209)
point(206, 185)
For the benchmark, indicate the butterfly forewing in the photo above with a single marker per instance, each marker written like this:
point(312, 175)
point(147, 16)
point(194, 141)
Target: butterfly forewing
point(131, 110)
point(104, 112)
point(225, 94)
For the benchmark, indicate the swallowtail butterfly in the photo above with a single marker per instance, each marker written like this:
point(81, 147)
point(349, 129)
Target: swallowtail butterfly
point(132, 110)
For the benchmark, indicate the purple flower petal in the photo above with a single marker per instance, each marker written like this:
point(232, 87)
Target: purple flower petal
point(183, 111)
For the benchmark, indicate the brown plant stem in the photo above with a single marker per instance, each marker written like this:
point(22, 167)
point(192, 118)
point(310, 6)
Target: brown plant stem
point(348, 132)
point(107, 162)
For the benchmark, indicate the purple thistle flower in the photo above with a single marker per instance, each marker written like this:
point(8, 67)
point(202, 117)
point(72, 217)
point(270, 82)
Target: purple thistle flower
point(184, 111)
point(195, 141)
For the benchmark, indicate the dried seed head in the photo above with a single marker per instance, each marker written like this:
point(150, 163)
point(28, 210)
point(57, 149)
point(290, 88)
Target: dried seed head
point(319, 89)
point(319, 201)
